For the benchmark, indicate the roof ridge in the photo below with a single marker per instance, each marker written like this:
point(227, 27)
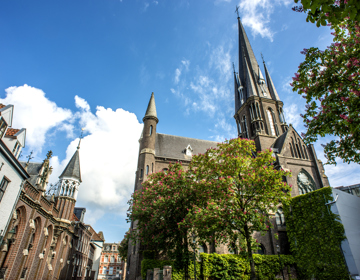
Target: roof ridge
point(187, 137)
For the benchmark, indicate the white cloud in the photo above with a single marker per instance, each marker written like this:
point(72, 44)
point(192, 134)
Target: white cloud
point(256, 15)
point(108, 158)
point(35, 112)
point(186, 63)
point(221, 60)
point(292, 116)
point(108, 153)
point(146, 6)
point(177, 75)
point(81, 103)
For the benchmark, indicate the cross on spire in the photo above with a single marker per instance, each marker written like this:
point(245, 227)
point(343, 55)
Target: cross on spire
point(237, 11)
point(30, 157)
point(262, 57)
point(81, 136)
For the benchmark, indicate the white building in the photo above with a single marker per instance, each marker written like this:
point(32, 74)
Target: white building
point(347, 206)
point(12, 174)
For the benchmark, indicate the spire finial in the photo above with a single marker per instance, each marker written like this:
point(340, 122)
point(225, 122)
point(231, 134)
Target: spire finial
point(81, 136)
point(29, 157)
point(262, 57)
point(234, 66)
point(237, 11)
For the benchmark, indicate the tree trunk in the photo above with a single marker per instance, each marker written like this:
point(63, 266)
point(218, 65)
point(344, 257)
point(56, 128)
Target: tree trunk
point(186, 256)
point(250, 255)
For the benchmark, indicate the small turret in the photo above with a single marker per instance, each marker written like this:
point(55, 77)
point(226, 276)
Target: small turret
point(68, 186)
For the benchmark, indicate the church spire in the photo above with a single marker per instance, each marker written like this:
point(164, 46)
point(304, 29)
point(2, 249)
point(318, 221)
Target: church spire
point(249, 70)
point(72, 169)
point(151, 109)
point(270, 84)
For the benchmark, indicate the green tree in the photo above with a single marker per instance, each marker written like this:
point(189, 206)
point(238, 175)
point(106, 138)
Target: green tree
point(240, 187)
point(123, 248)
point(330, 82)
point(329, 11)
point(157, 209)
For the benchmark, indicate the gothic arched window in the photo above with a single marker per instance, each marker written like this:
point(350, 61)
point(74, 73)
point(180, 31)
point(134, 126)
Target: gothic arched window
point(293, 144)
point(147, 169)
point(271, 122)
point(151, 129)
point(291, 150)
point(305, 182)
point(257, 110)
point(251, 112)
point(245, 127)
point(238, 126)
point(306, 155)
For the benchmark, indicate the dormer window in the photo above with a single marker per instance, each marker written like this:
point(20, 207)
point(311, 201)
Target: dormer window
point(16, 149)
point(188, 151)
point(3, 126)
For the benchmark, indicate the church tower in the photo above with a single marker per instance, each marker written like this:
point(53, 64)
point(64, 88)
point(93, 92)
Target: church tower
point(146, 161)
point(258, 108)
point(259, 116)
point(68, 187)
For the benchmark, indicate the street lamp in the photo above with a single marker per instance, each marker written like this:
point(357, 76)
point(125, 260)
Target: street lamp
point(278, 251)
point(194, 240)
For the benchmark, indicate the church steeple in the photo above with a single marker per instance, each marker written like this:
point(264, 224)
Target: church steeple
point(258, 108)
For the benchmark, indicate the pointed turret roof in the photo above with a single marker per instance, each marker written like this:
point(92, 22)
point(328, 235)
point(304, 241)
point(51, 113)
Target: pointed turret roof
point(270, 84)
point(72, 169)
point(249, 71)
point(151, 109)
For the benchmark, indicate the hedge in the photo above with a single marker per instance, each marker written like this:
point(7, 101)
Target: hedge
point(226, 267)
point(315, 235)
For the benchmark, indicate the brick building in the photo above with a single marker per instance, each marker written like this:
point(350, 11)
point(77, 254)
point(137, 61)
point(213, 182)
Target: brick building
point(259, 117)
point(111, 265)
point(44, 239)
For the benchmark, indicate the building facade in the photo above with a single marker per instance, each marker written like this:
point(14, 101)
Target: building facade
point(12, 173)
point(259, 116)
point(44, 239)
point(111, 265)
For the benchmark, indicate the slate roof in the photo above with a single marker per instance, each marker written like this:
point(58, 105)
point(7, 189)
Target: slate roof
point(33, 170)
point(72, 169)
point(11, 131)
point(170, 146)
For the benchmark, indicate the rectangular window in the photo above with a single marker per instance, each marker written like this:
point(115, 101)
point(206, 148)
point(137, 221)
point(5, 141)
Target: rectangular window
point(3, 186)
point(3, 126)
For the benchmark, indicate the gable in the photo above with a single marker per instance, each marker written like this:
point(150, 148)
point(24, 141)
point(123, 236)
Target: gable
point(7, 113)
point(290, 144)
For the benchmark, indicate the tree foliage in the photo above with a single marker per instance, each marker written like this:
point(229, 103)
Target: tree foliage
point(330, 82)
point(329, 11)
point(241, 188)
point(159, 207)
point(123, 248)
point(224, 196)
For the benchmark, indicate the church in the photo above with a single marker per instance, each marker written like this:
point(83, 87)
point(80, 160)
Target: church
point(259, 116)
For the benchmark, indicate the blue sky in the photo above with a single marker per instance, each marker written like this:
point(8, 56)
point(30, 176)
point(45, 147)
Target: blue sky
point(94, 63)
